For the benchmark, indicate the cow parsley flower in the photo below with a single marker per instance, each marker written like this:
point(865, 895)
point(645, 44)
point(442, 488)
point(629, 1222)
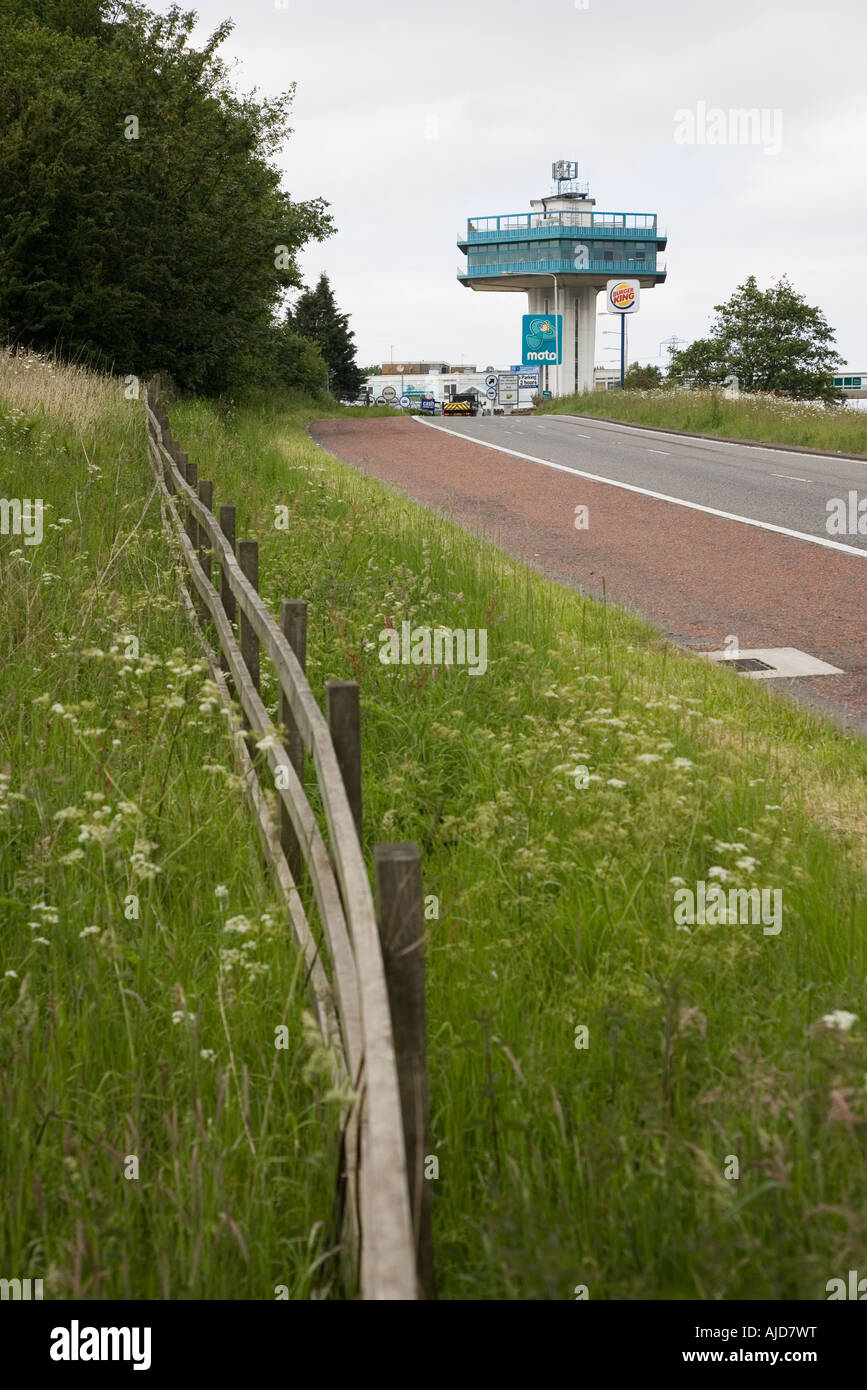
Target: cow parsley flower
point(840, 1020)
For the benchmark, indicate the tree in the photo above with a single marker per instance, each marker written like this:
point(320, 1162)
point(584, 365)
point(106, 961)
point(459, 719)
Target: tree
point(142, 222)
point(374, 370)
point(281, 358)
point(771, 340)
point(638, 378)
point(317, 317)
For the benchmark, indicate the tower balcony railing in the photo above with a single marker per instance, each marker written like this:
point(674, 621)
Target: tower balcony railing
point(523, 226)
point(625, 267)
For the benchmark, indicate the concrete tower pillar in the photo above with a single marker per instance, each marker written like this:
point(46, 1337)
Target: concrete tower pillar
point(567, 366)
point(584, 337)
point(578, 308)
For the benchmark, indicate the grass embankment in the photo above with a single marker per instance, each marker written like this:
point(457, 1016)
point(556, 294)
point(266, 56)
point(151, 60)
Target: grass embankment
point(602, 1166)
point(144, 965)
point(767, 418)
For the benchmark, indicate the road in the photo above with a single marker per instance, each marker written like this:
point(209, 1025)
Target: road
point(705, 539)
point(778, 487)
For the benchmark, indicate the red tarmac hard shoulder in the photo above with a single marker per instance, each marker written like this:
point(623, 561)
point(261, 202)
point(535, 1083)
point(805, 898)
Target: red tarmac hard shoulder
point(696, 576)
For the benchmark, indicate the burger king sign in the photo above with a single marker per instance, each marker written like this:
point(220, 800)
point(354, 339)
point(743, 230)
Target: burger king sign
point(622, 296)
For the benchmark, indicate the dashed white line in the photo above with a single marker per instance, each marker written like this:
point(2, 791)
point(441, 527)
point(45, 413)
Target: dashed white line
point(646, 492)
point(613, 427)
point(660, 451)
point(792, 476)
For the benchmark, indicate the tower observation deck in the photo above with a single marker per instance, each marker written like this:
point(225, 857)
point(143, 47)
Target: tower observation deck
point(563, 242)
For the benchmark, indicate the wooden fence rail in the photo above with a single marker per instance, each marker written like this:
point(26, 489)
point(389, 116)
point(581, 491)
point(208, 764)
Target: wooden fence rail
point(352, 1004)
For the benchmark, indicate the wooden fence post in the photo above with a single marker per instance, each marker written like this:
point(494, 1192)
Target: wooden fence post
point(204, 491)
point(344, 723)
point(206, 497)
point(293, 624)
point(400, 916)
point(191, 473)
point(180, 459)
point(227, 598)
point(171, 450)
point(248, 559)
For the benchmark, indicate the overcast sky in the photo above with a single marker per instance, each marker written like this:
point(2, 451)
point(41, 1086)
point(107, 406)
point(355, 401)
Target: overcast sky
point(410, 118)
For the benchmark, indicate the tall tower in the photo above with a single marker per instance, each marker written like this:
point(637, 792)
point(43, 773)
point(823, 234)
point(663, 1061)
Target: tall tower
point(564, 242)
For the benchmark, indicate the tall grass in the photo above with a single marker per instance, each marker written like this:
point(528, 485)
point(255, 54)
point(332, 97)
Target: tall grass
point(607, 1166)
point(39, 384)
point(153, 1141)
point(758, 417)
point(551, 899)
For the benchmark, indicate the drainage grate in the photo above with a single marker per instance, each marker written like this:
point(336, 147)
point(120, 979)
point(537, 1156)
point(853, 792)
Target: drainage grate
point(773, 663)
point(749, 663)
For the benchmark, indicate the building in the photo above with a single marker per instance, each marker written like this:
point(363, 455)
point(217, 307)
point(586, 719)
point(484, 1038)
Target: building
point(853, 384)
point(423, 368)
point(417, 368)
point(561, 254)
point(606, 379)
point(444, 386)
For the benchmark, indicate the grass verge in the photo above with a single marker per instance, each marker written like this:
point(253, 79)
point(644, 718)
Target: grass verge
point(766, 418)
point(704, 1137)
point(153, 1141)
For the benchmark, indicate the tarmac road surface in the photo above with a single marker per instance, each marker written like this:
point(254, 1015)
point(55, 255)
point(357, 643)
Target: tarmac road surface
point(704, 538)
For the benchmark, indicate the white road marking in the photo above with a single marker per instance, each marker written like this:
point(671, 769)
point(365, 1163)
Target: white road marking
point(792, 476)
point(660, 451)
point(696, 439)
point(646, 492)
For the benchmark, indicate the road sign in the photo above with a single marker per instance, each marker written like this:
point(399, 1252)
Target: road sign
point(491, 393)
point(491, 379)
point(621, 296)
point(404, 400)
point(529, 379)
point(380, 400)
point(541, 339)
point(388, 393)
point(508, 388)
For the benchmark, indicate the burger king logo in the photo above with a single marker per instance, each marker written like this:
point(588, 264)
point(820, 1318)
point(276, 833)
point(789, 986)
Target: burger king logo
point(622, 296)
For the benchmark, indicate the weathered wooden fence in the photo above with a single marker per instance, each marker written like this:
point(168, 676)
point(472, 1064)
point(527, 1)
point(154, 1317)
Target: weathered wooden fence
point(368, 991)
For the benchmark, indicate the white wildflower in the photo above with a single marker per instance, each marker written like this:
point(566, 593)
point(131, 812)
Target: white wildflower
point(840, 1020)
